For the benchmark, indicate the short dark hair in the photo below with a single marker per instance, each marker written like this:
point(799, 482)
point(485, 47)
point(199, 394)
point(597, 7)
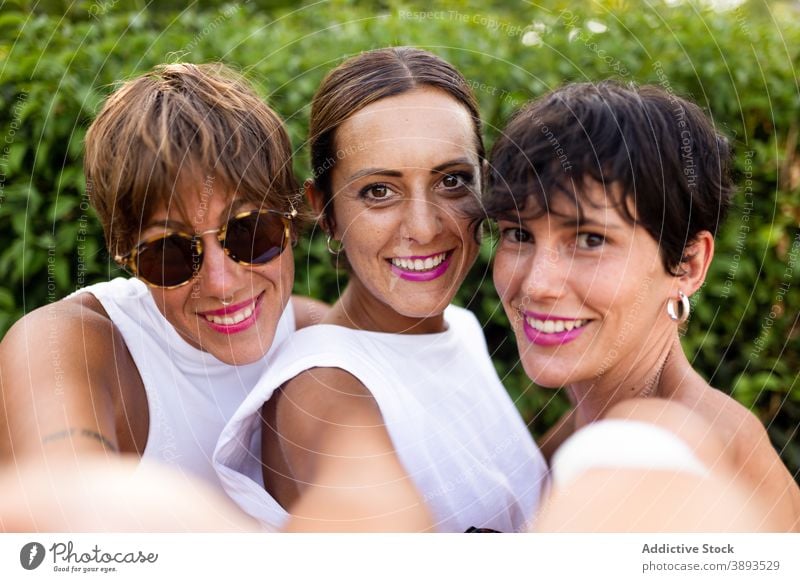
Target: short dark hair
point(177, 119)
point(661, 151)
point(370, 77)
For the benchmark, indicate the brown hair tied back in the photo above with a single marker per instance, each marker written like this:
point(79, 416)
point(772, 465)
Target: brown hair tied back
point(365, 79)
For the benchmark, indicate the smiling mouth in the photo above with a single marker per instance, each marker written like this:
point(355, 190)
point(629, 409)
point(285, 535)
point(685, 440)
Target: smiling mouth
point(420, 264)
point(228, 317)
point(554, 326)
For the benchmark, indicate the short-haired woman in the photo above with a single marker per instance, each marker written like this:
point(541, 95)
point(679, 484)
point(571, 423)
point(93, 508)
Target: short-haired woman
point(607, 198)
point(190, 173)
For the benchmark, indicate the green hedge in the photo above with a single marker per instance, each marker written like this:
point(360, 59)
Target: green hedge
point(739, 65)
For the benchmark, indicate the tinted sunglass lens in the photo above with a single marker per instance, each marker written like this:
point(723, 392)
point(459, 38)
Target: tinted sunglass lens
point(256, 238)
point(167, 261)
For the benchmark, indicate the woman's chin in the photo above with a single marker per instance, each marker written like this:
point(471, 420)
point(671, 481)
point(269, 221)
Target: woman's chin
point(547, 382)
point(541, 373)
point(241, 349)
point(425, 309)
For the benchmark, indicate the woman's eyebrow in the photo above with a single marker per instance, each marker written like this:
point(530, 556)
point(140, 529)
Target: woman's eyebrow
point(375, 172)
point(510, 217)
point(579, 221)
point(398, 174)
point(457, 162)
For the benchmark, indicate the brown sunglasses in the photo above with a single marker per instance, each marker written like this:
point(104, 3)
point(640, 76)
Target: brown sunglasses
point(172, 258)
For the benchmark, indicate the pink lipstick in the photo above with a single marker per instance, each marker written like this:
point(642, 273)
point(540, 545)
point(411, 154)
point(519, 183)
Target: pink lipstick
point(550, 330)
point(228, 308)
point(419, 275)
point(230, 328)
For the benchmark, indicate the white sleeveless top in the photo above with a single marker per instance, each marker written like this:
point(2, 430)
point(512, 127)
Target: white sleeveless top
point(616, 443)
point(455, 429)
point(191, 394)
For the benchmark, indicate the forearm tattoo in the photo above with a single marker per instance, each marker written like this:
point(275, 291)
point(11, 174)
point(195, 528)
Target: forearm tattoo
point(81, 432)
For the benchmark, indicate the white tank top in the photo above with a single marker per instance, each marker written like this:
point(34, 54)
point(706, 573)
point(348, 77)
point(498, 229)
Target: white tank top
point(616, 443)
point(191, 394)
point(455, 429)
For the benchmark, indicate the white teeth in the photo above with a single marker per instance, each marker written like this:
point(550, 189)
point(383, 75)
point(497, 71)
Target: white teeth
point(419, 264)
point(237, 317)
point(555, 325)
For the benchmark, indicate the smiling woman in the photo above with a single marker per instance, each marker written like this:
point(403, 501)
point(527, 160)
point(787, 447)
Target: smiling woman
point(596, 261)
point(404, 225)
point(394, 367)
point(190, 175)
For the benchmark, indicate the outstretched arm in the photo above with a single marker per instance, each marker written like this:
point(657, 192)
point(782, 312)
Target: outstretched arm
point(738, 450)
point(111, 495)
point(59, 369)
point(330, 461)
point(655, 465)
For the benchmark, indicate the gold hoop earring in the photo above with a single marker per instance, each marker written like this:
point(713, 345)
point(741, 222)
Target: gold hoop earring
point(683, 312)
point(331, 249)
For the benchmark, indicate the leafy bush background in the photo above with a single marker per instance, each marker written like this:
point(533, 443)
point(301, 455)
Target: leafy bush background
point(58, 60)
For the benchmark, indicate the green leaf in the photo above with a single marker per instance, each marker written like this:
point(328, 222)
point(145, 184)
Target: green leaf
point(63, 206)
point(6, 300)
point(16, 153)
point(19, 221)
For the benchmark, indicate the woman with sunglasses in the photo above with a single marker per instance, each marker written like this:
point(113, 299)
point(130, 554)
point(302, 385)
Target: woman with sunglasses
point(191, 176)
point(397, 154)
point(603, 238)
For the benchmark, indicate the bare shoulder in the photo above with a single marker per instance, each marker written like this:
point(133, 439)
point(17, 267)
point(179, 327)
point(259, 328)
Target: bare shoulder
point(305, 423)
point(702, 415)
point(308, 311)
point(737, 425)
point(756, 459)
point(728, 439)
point(60, 371)
point(316, 398)
point(683, 420)
point(53, 332)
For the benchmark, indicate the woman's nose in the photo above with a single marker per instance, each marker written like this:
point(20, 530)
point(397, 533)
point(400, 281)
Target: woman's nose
point(422, 220)
point(218, 273)
point(548, 271)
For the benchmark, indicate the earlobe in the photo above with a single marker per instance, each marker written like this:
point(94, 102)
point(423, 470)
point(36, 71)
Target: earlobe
point(313, 196)
point(697, 259)
point(316, 199)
